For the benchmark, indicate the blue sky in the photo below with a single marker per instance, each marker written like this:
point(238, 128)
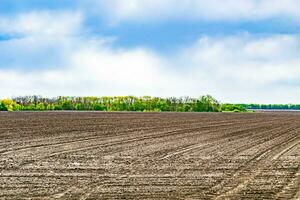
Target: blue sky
point(237, 51)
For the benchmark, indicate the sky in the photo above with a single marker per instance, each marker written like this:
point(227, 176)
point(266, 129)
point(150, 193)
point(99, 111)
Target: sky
point(245, 51)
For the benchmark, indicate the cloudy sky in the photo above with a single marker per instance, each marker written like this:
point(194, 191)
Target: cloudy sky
point(237, 51)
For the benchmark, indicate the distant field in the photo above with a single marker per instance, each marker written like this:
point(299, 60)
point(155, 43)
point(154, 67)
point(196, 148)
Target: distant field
point(273, 110)
point(99, 155)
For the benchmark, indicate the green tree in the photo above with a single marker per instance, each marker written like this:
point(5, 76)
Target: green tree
point(3, 107)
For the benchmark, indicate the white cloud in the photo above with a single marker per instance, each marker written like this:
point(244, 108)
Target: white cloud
point(251, 59)
point(41, 23)
point(239, 68)
point(248, 69)
point(222, 10)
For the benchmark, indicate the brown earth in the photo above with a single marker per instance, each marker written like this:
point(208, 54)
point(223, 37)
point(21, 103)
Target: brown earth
point(90, 155)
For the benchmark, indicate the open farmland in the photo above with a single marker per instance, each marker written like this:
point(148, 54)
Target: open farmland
point(90, 155)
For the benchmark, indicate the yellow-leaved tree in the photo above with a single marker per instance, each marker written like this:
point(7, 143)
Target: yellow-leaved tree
point(7, 105)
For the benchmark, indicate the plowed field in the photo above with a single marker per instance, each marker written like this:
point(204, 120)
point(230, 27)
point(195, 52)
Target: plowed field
point(90, 155)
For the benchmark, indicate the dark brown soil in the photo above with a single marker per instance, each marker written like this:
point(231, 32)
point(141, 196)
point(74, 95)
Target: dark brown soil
point(90, 155)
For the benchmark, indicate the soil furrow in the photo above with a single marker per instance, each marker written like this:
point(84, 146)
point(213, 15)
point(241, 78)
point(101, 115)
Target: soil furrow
point(99, 155)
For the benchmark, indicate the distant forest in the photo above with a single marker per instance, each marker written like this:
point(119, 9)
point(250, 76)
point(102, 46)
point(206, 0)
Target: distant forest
point(130, 103)
point(271, 106)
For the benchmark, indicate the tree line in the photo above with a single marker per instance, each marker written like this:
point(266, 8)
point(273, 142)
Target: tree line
point(120, 103)
point(132, 103)
point(271, 106)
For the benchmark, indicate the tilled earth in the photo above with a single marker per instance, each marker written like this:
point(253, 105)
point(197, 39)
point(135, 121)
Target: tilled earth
point(95, 155)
